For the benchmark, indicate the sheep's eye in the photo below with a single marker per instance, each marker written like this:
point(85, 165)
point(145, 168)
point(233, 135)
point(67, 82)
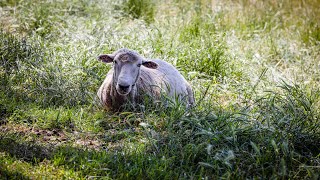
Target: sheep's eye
point(115, 62)
point(138, 65)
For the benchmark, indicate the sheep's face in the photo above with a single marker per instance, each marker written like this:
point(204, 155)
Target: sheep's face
point(126, 66)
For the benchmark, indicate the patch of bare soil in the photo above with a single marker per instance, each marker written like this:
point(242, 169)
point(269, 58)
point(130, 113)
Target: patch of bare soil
point(55, 136)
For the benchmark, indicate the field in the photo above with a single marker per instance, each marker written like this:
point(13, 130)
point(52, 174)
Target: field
point(254, 67)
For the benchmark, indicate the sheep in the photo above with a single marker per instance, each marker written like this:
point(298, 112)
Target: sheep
point(132, 77)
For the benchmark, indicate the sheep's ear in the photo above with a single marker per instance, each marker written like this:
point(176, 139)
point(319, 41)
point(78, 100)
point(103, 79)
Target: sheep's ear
point(150, 64)
point(107, 58)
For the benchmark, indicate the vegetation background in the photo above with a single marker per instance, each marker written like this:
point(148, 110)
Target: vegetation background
point(254, 66)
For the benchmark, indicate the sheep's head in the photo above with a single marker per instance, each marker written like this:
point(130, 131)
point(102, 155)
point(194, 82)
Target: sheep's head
point(126, 65)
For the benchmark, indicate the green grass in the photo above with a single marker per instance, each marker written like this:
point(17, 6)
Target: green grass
point(254, 67)
point(138, 9)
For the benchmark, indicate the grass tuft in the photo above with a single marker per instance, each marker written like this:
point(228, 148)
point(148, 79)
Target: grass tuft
point(208, 55)
point(136, 9)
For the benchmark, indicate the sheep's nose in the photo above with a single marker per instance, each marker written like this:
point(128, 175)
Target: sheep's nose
point(123, 88)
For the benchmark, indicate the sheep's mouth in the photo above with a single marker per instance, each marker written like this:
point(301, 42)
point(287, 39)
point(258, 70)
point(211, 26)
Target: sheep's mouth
point(123, 91)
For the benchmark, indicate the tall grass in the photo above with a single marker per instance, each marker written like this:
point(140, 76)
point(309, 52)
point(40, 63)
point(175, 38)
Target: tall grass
point(208, 56)
point(253, 67)
point(33, 73)
point(139, 9)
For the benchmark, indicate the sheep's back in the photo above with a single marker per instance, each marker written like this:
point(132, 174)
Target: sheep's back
point(166, 77)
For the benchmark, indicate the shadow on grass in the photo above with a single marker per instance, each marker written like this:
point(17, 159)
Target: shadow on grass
point(24, 150)
point(121, 164)
point(9, 174)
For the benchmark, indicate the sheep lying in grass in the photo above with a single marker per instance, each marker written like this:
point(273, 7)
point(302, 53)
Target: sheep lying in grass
point(132, 77)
